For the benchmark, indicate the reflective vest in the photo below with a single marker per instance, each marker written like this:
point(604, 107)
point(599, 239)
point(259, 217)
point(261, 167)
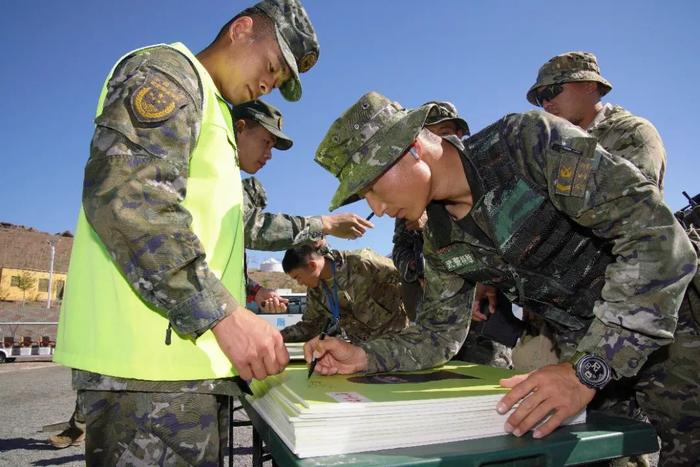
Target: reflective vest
point(104, 326)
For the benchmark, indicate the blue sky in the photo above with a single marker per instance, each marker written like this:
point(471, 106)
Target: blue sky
point(482, 56)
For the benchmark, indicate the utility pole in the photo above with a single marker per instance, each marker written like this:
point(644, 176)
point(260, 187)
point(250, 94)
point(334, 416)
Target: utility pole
point(52, 244)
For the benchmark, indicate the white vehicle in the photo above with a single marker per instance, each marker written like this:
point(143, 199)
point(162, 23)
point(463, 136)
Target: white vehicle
point(10, 350)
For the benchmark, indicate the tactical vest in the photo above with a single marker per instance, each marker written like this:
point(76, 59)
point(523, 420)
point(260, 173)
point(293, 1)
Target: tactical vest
point(538, 256)
point(104, 326)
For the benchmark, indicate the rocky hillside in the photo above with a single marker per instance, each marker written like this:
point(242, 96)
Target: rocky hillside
point(276, 280)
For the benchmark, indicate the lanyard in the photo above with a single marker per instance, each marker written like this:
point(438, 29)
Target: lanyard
point(333, 302)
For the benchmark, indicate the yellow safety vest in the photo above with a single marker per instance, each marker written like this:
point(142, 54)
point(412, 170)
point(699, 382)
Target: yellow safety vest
point(104, 326)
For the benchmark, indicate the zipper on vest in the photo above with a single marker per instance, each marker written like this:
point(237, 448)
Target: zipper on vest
point(168, 333)
point(561, 147)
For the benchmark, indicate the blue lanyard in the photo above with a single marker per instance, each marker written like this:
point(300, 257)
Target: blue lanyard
point(333, 302)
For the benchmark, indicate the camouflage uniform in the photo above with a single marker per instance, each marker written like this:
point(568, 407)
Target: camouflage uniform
point(274, 232)
point(622, 134)
point(369, 296)
point(407, 254)
point(617, 130)
point(162, 175)
point(142, 167)
point(557, 221)
point(632, 138)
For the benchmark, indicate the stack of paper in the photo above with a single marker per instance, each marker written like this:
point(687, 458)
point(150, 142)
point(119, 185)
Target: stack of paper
point(295, 350)
point(328, 415)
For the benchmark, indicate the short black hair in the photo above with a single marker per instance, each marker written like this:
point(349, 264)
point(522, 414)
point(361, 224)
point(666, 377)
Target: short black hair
point(249, 122)
point(297, 257)
point(262, 24)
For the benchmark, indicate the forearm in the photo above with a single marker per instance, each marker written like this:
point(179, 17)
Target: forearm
point(277, 232)
point(133, 202)
point(440, 329)
point(641, 298)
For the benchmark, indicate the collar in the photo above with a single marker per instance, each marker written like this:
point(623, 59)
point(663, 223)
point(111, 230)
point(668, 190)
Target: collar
point(600, 116)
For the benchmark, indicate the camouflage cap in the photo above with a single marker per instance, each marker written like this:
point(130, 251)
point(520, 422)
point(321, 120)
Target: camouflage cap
point(266, 115)
point(297, 40)
point(365, 141)
point(566, 68)
point(443, 111)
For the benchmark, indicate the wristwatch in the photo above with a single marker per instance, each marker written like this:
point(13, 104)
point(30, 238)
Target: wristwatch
point(591, 370)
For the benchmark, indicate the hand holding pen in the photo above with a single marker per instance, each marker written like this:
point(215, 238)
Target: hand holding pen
point(330, 329)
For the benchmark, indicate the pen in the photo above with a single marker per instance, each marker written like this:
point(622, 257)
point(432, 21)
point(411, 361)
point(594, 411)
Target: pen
point(371, 215)
point(314, 360)
point(331, 329)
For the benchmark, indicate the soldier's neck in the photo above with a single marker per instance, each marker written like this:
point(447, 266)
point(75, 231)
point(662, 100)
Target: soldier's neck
point(450, 184)
point(590, 115)
point(327, 270)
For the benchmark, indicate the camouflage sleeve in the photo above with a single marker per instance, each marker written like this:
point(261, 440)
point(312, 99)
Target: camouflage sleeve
point(403, 252)
point(312, 321)
point(274, 232)
point(374, 286)
point(440, 328)
point(135, 182)
point(654, 259)
point(637, 140)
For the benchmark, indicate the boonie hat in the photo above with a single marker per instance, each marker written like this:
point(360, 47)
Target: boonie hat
point(365, 141)
point(567, 68)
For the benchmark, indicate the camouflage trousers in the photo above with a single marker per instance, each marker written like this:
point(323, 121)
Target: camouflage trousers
point(666, 390)
point(478, 349)
point(77, 420)
point(154, 428)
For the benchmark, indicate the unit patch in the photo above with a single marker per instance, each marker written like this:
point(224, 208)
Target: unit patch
point(157, 99)
point(572, 177)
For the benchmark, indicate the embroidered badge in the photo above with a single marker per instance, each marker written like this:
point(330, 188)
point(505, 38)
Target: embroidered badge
point(307, 61)
point(565, 176)
point(585, 166)
point(156, 100)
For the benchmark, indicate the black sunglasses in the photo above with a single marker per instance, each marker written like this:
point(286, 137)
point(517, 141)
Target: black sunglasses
point(547, 93)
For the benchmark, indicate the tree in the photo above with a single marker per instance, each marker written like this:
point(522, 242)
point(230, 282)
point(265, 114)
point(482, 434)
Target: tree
point(26, 281)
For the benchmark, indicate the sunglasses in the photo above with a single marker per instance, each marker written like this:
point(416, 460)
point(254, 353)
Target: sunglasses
point(547, 93)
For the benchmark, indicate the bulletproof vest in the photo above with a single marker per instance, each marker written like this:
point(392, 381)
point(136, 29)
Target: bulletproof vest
point(521, 243)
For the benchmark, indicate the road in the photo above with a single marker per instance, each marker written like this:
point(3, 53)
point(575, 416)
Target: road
point(37, 394)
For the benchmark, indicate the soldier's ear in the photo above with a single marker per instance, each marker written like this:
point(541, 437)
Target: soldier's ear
point(240, 30)
point(239, 125)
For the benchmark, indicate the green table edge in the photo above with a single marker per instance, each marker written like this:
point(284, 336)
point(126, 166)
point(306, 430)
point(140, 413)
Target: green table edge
point(602, 437)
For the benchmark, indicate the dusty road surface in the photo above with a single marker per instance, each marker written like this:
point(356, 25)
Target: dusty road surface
point(36, 394)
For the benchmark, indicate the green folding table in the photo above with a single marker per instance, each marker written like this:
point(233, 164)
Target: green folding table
point(601, 437)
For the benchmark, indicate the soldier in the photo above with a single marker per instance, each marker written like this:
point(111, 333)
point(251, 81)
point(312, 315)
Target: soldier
point(533, 206)
point(407, 253)
point(570, 86)
point(159, 244)
point(358, 289)
point(258, 128)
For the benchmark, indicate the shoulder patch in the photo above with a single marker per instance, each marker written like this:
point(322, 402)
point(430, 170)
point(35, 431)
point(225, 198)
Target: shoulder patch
point(157, 99)
point(565, 174)
point(575, 167)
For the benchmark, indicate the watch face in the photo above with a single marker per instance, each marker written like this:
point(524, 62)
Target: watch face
point(593, 371)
